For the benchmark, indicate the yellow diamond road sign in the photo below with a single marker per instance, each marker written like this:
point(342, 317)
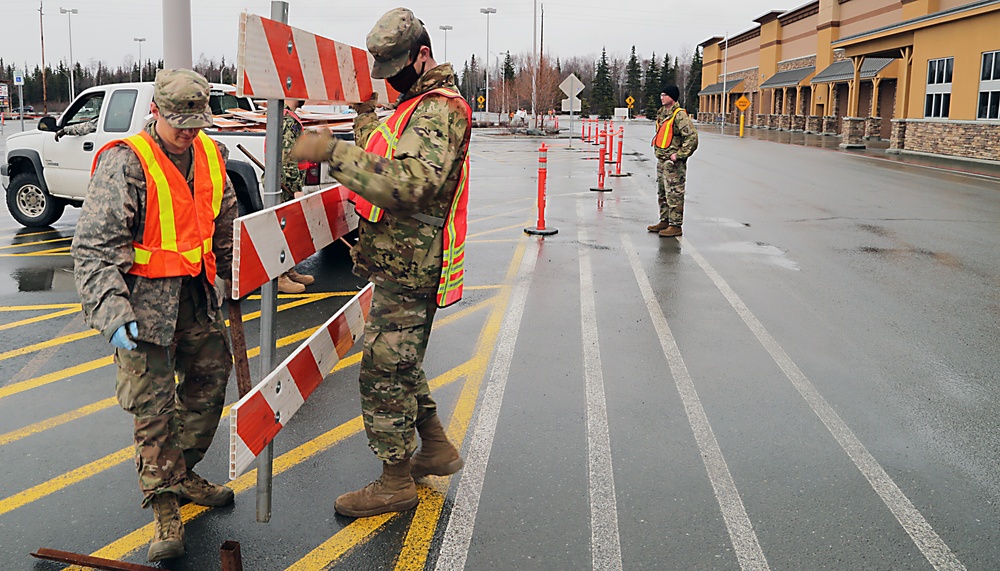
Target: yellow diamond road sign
point(742, 103)
point(630, 100)
point(481, 99)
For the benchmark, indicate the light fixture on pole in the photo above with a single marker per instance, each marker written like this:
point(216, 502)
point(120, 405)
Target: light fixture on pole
point(446, 28)
point(488, 11)
point(69, 15)
point(140, 40)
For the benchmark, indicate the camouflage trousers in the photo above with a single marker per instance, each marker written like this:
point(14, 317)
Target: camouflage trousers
point(175, 421)
point(670, 178)
point(292, 180)
point(395, 397)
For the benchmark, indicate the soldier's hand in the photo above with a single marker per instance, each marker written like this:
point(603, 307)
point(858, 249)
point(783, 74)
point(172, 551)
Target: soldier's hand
point(366, 106)
point(313, 146)
point(123, 339)
point(60, 134)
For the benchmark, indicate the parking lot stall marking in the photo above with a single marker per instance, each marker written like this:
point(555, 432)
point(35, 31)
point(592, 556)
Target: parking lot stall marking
point(605, 542)
point(741, 532)
point(519, 225)
point(42, 307)
point(930, 544)
point(39, 318)
point(458, 534)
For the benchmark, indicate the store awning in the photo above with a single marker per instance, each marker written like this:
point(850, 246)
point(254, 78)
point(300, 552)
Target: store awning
point(844, 70)
point(717, 88)
point(790, 78)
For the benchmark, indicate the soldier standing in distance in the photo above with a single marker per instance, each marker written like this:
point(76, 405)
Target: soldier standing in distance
point(675, 140)
point(410, 176)
point(292, 179)
point(155, 234)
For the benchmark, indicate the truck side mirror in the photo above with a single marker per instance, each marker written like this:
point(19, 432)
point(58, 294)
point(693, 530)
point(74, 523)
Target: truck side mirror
point(47, 124)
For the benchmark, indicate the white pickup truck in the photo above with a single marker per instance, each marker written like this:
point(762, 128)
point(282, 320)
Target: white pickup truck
point(42, 176)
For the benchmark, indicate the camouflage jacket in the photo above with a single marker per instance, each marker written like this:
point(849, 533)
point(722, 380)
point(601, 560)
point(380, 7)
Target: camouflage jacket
point(685, 139)
point(79, 129)
point(112, 217)
point(291, 177)
point(400, 252)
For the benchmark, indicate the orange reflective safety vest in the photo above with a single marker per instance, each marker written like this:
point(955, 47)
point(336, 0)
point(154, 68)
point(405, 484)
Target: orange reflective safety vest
point(383, 143)
point(177, 240)
point(665, 134)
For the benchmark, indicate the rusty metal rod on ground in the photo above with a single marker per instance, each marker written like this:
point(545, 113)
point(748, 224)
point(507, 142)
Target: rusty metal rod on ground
point(239, 339)
point(90, 561)
point(232, 559)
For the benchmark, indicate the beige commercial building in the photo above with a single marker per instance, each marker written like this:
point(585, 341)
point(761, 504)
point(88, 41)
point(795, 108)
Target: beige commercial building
point(924, 74)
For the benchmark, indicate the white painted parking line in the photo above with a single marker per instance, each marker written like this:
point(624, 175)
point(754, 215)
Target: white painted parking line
point(741, 533)
point(458, 535)
point(605, 544)
point(926, 539)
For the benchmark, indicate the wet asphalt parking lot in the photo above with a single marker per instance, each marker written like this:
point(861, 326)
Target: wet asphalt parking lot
point(806, 380)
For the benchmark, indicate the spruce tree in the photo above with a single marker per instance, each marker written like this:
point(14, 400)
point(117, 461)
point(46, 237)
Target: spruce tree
point(633, 78)
point(693, 84)
point(603, 92)
point(651, 87)
point(668, 73)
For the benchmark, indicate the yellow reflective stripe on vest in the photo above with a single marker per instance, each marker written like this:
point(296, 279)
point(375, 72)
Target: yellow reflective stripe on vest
point(142, 256)
point(168, 230)
point(216, 170)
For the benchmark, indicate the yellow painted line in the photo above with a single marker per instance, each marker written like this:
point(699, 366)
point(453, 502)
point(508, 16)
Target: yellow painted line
point(60, 482)
point(140, 538)
point(511, 227)
point(31, 320)
point(33, 255)
point(103, 361)
point(46, 344)
point(507, 213)
point(55, 421)
point(428, 512)
point(503, 241)
point(31, 234)
point(482, 287)
point(21, 245)
point(75, 306)
point(62, 250)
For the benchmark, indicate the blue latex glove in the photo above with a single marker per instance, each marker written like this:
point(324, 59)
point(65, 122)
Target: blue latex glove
point(123, 340)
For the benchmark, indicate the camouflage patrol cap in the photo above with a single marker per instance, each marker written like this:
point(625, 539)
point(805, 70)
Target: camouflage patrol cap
point(391, 40)
point(182, 96)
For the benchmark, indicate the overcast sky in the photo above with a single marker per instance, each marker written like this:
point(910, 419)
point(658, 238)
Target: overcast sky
point(104, 29)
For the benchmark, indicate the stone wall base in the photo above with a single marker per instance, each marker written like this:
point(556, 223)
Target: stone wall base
point(814, 124)
point(971, 140)
point(854, 132)
point(830, 126)
point(798, 123)
point(873, 128)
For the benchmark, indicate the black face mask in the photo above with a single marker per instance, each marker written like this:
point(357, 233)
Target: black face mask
point(404, 80)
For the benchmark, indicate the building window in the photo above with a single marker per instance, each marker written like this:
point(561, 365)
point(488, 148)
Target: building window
point(937, 103)
point(989, 87)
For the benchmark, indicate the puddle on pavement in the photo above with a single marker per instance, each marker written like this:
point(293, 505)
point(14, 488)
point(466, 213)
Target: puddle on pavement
point(56, 279)
point(767, 253)
point(727, 222)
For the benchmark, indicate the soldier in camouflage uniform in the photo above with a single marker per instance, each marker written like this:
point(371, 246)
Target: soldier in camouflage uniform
point(161, 327)
point(671, 165)
point(79, 129)
point(402, 256)
point(292, 179)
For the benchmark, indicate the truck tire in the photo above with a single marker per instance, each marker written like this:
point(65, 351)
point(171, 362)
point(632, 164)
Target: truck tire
point(29, 204)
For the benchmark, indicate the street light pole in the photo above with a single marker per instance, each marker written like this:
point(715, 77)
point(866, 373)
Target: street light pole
point(488, 11)
point(446, 28)
point(69, 15)
point(139, 41)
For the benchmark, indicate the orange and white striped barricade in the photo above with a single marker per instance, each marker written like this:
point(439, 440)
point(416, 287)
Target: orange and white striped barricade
point(266, 409)
point(270, 242)
point(277, 61)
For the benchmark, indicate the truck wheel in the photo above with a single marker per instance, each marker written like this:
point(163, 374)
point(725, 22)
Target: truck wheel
point(29, 204)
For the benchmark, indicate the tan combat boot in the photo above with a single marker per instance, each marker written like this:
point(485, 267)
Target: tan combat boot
point(394, 491)
point(168, 529)
point(437, 456)
point(205, 493)
point(304, 279)
point(657, 227)
point(671, 232)
point(286, 285)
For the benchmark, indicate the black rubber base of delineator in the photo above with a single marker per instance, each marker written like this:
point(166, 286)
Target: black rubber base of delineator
point(597, 189)
point(623, 174)
point(537, 232)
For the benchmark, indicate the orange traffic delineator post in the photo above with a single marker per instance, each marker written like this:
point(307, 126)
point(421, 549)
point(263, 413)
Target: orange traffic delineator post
point(618, 163)
point(543, 166)
point(600, 171)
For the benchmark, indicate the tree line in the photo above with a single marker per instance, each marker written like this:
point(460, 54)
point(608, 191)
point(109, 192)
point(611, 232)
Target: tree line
point(608, 82)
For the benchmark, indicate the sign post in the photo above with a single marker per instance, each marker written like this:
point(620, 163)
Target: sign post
point(571, 86)
point(742, 104)
point(19, 82)
point(630, 101)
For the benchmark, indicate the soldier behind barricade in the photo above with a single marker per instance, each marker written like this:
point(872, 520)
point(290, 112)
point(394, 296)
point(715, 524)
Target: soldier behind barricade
point(675, 140)
point(292, 179)
point(147, 278)
point(411, 179)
